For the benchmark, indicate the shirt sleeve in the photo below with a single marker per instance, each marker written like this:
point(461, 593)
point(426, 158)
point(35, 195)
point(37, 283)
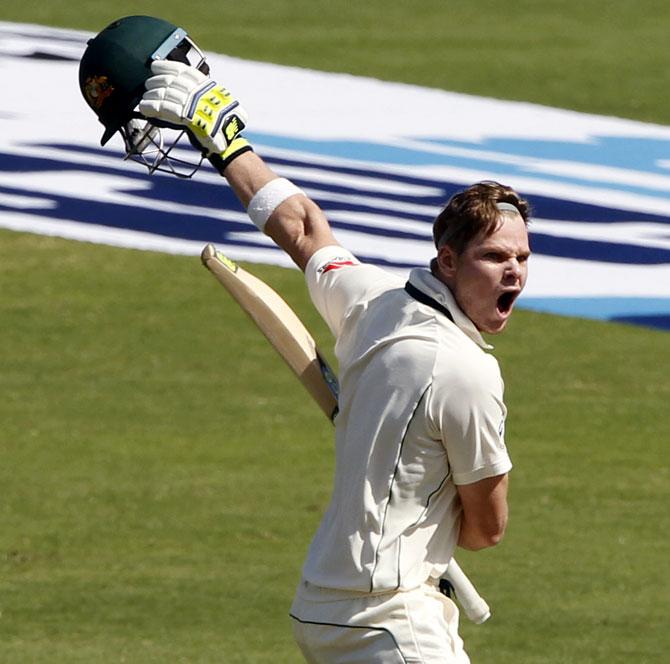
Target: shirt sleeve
point(337, 281)
point(469, 414)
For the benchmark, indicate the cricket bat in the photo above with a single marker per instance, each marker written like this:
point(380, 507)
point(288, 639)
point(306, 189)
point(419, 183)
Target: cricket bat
point(291, 339)
point(280, 325)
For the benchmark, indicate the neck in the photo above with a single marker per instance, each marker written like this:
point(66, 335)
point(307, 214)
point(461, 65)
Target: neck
point(438, 273)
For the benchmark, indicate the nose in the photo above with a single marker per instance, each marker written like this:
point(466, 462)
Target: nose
point(513, 270)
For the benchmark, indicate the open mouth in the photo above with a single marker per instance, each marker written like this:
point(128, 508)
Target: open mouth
point(506, 301)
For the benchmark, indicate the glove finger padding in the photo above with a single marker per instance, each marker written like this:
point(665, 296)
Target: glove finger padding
point(182, 95)
point(155, 104)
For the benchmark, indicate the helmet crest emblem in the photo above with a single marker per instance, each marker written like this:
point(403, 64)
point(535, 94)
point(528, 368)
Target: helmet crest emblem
point(97, 89)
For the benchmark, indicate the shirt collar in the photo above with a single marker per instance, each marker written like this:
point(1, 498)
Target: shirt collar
point(425, 281)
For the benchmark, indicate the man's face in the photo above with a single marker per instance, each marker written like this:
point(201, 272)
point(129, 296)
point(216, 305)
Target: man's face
point(487, 277)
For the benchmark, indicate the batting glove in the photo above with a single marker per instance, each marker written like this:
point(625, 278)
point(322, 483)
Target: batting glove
point(182, 95)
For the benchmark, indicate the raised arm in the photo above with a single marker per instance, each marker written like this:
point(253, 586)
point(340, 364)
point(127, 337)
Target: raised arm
point(297, 224)
point(181, 95)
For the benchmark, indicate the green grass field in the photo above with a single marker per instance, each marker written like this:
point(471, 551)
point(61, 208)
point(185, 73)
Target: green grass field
point(610, 58)
point(162, 472)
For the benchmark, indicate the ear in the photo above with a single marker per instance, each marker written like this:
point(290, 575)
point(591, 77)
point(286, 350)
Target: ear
point(447, 262)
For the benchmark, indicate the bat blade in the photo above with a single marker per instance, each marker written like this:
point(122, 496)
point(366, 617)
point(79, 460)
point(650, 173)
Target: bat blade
point(280, 325)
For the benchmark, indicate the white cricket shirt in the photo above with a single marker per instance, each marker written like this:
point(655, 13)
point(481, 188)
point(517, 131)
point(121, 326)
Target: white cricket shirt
point(421, 410)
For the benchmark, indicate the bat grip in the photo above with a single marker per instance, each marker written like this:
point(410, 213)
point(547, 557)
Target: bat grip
point(473, 604)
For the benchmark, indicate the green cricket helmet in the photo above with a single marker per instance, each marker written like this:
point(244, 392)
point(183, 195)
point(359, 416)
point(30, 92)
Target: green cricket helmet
point(112, 74)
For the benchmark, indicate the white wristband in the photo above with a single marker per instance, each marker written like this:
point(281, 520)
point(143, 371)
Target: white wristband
point(268, 198)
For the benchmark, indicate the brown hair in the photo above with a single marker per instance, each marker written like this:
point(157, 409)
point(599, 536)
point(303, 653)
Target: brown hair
point(472, 212)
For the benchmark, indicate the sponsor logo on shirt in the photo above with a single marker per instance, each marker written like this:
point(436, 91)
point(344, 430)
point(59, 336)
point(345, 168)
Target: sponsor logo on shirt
point(335, 265)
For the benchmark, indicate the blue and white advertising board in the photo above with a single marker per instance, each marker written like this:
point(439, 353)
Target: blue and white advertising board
point(380, 158)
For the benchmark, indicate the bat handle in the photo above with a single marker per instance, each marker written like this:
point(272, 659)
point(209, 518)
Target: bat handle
point(472, 603)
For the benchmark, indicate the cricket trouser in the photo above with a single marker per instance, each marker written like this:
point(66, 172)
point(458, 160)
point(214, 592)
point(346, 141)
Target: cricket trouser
point(334, 627)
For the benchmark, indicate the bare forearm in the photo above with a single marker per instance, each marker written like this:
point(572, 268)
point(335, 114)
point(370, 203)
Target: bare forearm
point(475, 536)
point(297, 225)
point(485, 513)
point(246, 175)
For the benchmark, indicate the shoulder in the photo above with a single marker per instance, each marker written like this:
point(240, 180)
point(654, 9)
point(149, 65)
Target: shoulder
point(467, 362)
point(464, 374)
point(338, 281)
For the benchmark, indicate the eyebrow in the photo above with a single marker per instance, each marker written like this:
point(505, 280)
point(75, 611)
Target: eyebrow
point(497, 246)
point(502, 249)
